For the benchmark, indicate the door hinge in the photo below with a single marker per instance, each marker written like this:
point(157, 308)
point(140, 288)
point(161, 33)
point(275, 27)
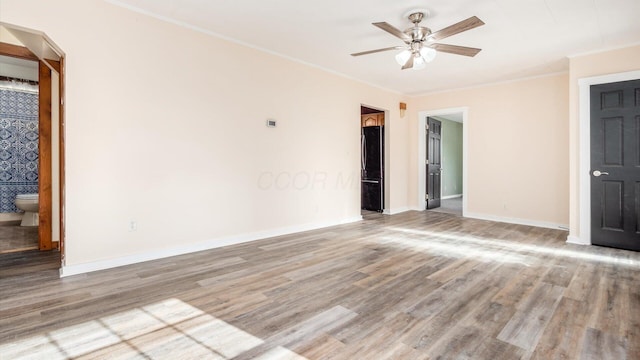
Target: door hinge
point(426, 162)
point(426, 127)
point(426, 196)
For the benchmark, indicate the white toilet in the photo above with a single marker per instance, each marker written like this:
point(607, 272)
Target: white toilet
point(29, 204)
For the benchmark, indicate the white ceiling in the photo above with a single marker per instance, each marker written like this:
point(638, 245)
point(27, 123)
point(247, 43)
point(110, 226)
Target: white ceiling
point(521, 38)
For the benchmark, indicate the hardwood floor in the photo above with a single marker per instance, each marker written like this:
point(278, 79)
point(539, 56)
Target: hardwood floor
point(418, 285)
point(14, 238)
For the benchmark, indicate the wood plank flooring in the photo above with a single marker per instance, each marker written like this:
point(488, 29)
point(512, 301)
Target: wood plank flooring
point(14, 238)
point(418, 285)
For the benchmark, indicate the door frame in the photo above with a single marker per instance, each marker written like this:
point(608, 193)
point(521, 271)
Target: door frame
point(584, 164)
point(41, 48)
point(45, 170)
point(422, 143)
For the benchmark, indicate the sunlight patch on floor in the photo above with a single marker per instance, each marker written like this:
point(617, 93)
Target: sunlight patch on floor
point(170, 329)
point(462, 243)
point(442, 248)
point(280, 353)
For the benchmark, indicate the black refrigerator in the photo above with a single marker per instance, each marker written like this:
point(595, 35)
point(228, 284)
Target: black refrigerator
point(372, 162)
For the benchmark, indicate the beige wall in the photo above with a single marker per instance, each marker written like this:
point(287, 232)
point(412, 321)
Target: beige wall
point(603, 63)
point(517, 151)
point(166, 127)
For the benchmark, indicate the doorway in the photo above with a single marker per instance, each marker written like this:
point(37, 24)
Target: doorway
point(372, 159)
point(585, 171)
point(50, 159)
point(448, 188)
point(615, 165)
point(433, 162)
point(19, 123)
point(444, 163)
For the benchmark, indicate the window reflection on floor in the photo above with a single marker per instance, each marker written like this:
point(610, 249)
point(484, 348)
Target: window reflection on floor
point(170, 329)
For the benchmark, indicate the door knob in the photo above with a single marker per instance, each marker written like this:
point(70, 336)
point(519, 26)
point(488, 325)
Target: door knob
point(598, 173)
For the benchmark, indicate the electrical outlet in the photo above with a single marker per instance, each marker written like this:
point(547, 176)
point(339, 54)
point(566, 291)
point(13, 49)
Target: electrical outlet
point(133, 225)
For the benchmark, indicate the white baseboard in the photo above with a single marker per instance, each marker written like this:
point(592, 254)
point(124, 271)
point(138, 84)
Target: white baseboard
point(451, 197)
point(499, 219)
point(206, 245)
point(572, 239)
point(518, 221)
point(396, 210)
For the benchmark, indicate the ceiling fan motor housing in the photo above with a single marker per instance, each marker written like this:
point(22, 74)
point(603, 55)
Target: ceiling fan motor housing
point(417, 33)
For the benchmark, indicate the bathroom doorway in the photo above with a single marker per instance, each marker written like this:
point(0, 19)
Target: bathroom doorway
point(19, 154)
point(48, 63)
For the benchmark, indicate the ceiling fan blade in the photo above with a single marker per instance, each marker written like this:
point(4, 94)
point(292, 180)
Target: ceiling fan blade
point(393, 31)
point(455, 49)
point(378, 50)
point(457, 28)
point(409, 63)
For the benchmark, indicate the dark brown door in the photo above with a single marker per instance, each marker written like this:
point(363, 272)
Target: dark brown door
point(615, 165)
point(434, 135)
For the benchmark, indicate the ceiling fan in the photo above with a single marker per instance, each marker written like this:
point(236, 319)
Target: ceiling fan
point(420, 47)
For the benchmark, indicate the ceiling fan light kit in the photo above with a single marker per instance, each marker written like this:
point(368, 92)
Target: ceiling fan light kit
point(420, 43)
point(403, 56)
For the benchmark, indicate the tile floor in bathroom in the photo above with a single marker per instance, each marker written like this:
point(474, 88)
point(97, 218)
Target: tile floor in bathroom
point(18, 238)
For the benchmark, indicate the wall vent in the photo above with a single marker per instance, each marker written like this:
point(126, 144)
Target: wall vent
point(271, 123)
